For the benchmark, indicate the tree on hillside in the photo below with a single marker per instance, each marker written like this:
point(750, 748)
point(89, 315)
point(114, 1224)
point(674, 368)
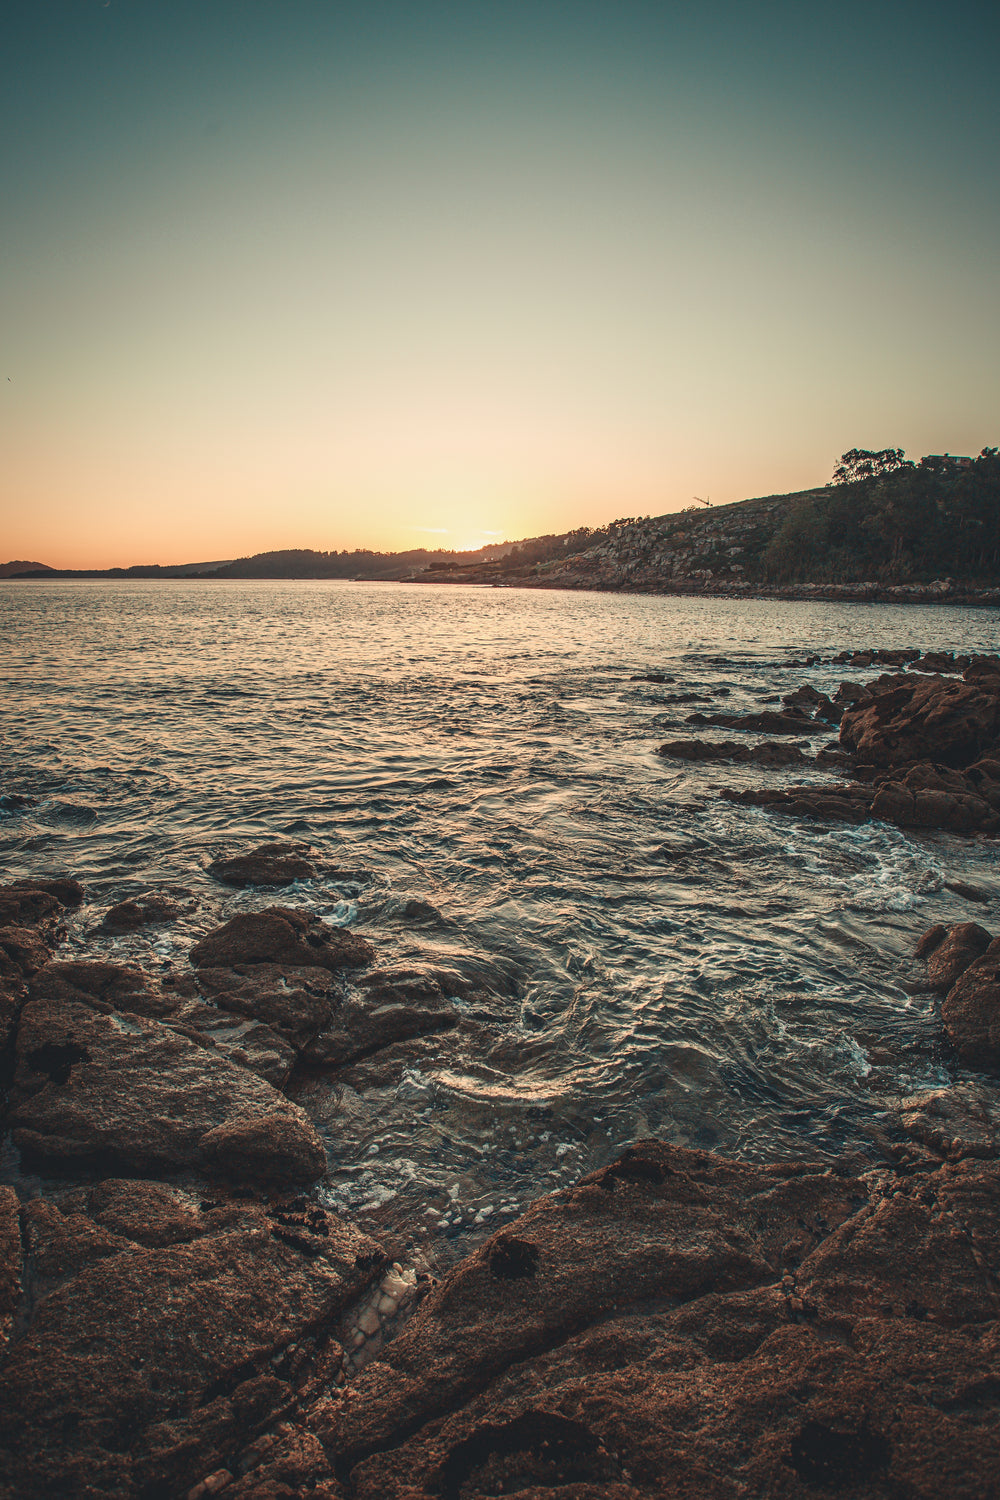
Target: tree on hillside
point(865, 463)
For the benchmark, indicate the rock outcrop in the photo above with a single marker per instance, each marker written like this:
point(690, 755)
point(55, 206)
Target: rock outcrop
point(113, 1088)
point(926, 753)
point(168, 1334)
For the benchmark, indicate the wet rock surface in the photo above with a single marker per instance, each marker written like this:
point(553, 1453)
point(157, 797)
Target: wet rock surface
point(281, 935)
point(925, 752)
point(963, 964)
point(268, 865)
point(150, 908)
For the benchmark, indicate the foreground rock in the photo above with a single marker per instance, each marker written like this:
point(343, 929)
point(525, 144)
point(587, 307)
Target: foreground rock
point(96, 1085)
point(680, 1325)
point(675, 1324)
point(281, 935)
point(166, 1335)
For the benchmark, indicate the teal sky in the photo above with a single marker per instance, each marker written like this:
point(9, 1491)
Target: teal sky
point(329, 275)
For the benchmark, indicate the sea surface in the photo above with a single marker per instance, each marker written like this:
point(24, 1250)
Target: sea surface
point(481, 764)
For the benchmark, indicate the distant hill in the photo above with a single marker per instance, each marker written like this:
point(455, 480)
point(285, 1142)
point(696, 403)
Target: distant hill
point(899, 526)
point(11, 569)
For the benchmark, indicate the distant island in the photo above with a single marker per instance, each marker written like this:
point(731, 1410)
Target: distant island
point(885, 528)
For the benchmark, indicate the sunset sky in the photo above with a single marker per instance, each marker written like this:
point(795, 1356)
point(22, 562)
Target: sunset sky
point(307, 273)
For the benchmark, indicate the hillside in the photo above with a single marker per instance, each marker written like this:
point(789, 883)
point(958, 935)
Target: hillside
point(927, 529)
point(932, 526)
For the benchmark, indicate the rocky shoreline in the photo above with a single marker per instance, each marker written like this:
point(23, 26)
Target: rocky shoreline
point(623, 580)
point(181, 1315)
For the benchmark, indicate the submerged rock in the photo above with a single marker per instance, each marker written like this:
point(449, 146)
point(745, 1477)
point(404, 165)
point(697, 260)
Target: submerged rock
point(281, 935)
point(296, 1002)
point(393, 1005)
point(268, 865)
point(768, 753)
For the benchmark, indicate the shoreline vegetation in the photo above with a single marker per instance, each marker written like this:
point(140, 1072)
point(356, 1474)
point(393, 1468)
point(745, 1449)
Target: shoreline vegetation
point(885, 531)
point(183, 1315)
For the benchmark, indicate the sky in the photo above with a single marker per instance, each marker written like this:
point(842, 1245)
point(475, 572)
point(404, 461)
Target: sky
point(305, 273)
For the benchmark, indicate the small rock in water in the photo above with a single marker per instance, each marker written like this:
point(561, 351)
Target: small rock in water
point(270, 864)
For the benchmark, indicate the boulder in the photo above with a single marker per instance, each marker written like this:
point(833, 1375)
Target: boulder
point(142, 911)
point(94, 1087)
point(971, 1012)
point(280, 935)
point(950, 958)
point(390, 1005)
point(925, 719)
point(27, 901)
point(268, 865)
point(295, 1002)
point(148, 1366)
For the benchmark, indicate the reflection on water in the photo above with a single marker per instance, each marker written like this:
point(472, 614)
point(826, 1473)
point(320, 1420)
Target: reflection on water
point(654, 960)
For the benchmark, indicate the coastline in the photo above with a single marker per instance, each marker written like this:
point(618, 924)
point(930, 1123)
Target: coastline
point(190, 1315)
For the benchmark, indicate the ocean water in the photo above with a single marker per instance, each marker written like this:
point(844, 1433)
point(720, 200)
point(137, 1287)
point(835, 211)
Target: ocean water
point(481, 763)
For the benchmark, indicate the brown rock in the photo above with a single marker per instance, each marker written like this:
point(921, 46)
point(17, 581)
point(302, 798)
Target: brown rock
point(93, 1088)
point(271, 864)
point(393, 1005)
point(953, 955)
point(296, 1002)
point(928, 719)
point(660, 1223)
point(962, 1120)
point(19, 908)
point(279, 935)
point(280, 1147)
point(971, 1013)
point(23, 952)
point(768, 753)
point(932, 938)
point(766, 722)
point(10, 1264)
point(28, 901)
point(849, 1373)
point(149, 1366)
point(153, 907)
point(101, 986)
